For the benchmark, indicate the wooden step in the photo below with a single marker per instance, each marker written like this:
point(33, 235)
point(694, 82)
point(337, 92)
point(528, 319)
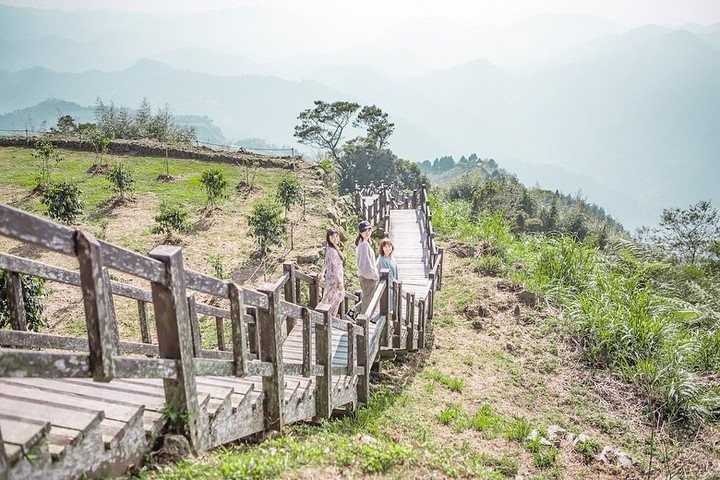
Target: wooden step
point(71, 424)
point(153, 419)
point(20, 436)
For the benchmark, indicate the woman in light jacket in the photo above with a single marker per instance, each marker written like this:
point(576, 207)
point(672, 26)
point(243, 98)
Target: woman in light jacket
point(367, 269)
point(385, 260)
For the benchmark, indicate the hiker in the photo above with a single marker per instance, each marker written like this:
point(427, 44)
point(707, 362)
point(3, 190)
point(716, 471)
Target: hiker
point(385, 260)
point(367, 269)
point(331, 275)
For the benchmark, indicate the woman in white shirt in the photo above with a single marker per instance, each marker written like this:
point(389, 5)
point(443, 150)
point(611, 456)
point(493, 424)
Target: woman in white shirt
point(367, 269)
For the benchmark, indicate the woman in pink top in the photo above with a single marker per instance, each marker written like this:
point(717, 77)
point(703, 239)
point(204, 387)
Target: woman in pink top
point(367, 269)
point(332, 272)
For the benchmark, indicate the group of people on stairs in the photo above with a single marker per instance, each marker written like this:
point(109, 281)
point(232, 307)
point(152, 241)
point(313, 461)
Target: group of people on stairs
point(332, 276)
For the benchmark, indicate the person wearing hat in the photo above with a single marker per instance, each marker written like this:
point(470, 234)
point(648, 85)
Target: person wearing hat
point(332, 272)
point(367, 269)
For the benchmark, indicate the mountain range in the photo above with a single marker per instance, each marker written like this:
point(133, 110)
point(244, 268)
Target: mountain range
point(627, 117)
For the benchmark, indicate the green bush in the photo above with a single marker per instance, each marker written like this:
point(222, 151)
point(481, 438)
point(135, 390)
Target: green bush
point(266, 225)
point(63, 201)
point(33, 291)
point(121, 179)
point(171, 219)
point(45, 152)
point(289, 192)
point(215, 185)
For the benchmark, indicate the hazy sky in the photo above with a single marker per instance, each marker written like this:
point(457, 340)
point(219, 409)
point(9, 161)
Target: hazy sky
point(477, 12)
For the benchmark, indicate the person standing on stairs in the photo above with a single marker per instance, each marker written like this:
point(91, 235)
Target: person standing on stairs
point(367, 269)
point(331, 275)
point(386, 260)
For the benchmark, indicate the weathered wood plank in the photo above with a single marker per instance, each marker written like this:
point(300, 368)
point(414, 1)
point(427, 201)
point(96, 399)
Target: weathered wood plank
point(255, 299)
point(28, 363)
point(271, 351)
point(323, 358)
point(95, 292)
point(19, 225)
point(11, 338)
point(175, 341)
point(4, 470)
point(145, 335)
point(64, 416)
point(307, 330)
point(136, 367)
point(15, 301)
point(239, 329)
point(206, 284)
point(131, 262)
point(41, 398)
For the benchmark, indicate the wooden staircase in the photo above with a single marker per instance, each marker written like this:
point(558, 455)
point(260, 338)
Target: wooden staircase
point(95, 406)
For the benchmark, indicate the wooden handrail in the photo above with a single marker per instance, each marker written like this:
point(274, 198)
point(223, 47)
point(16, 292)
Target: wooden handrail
point(257, 318)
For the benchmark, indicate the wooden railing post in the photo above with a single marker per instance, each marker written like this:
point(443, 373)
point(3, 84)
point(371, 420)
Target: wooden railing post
point(323, 357)
point(271, 352)
point(313, 292)
point(307, 343)
point(239, 331)
point(4, 474)
point(220, 330)
point(431, 295)
point(363, 354)
point(145, 335)
point(174, 334)
point(409, 299)
point(397, 315)
point(385, 306)
point(441, 258)
point(421, 324)
point(97, 311)
point(194, 326)
point(16, 303)
point(289, 291)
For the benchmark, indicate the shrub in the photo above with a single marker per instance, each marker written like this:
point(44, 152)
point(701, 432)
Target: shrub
point(63, 201)
point(45, 152)
point(171, 219)
point(266, 225)
point(122, 180)
point(289, 192)
point(33, 291)
point(215, 185)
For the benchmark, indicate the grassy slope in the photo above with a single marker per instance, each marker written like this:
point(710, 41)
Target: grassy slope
point(459, 409)
point(221, 233)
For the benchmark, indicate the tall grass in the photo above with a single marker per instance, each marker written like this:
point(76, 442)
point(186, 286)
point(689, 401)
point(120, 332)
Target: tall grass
point(653, 323)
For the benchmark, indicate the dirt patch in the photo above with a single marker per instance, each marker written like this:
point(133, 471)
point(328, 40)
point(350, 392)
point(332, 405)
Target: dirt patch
point(99, 169)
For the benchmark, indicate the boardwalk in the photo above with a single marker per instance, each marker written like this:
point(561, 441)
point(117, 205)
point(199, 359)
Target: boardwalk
point(286, 361)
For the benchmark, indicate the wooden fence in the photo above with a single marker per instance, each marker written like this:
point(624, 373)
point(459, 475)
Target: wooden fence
point(260, 321)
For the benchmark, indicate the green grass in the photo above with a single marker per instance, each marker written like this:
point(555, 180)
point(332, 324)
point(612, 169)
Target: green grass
point(20, 170)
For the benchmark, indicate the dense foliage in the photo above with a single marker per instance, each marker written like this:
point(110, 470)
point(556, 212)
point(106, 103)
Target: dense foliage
point(171, 219)
point(266, 225)
point(364, 159)
point(121, 180)
point(121, 122)
point(215, 185)
point(33, 291)
point(289, 192)
point(64, 201)
point(532, 210)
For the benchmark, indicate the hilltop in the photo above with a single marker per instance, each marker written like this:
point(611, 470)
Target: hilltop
point(499, 368)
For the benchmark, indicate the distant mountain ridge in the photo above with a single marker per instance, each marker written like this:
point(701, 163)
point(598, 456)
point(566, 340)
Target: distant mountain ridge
point(628, 117)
